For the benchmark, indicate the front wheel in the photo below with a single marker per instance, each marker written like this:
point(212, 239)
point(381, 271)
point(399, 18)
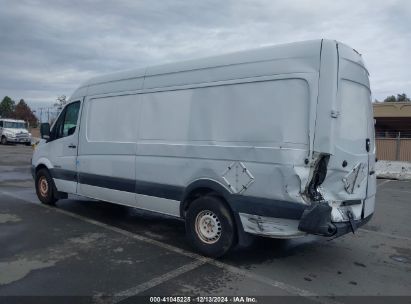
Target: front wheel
point(45, 187)
point(3, 140)
point(210, 226)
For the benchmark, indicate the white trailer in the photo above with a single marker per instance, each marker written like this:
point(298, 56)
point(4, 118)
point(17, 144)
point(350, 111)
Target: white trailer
point(277, 142)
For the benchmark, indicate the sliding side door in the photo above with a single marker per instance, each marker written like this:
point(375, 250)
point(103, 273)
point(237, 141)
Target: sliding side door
point(107, 148)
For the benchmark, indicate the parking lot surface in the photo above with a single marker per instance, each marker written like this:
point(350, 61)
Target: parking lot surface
point(111, 253)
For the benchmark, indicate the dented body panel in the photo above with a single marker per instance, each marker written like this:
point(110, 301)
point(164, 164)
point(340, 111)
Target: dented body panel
point(268, 130)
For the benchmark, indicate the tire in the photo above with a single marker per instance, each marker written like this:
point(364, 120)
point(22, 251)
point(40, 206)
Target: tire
point(28, 144)
point(210, 226)
point(3, 140)
point(45, 188)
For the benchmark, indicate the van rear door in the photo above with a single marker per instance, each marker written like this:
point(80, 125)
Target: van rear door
point(353, 135)
point(355, 132)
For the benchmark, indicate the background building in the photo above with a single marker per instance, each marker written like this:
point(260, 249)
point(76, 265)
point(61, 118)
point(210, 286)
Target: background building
point(393, 130)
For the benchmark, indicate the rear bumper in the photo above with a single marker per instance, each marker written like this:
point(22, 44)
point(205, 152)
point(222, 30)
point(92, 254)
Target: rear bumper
point(315, 219)
point(345, 227)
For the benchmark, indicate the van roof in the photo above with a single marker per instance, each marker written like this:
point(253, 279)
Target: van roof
point(11, 120)
point(290, 50)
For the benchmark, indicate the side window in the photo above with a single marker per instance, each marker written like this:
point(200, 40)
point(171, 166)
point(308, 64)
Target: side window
point(1, 124)
point(67, 122)
point(56, 130)
point(70, 119)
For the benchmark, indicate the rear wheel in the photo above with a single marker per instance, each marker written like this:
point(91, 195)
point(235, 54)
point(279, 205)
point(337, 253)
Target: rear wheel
point(45, 187)
point(210, 226)
point(3, 140)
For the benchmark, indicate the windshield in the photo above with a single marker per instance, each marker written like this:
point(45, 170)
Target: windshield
point(14, 125)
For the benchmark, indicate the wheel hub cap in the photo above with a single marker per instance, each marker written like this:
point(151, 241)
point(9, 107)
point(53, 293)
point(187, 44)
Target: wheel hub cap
point(43, 186)
point(208, 227)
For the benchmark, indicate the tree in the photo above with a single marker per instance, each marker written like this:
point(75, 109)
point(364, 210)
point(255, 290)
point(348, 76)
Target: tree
point(60, 102)
point(403, 98)
point(7, 107)
point(23, 111)
point(400, 98)
point(390, 99)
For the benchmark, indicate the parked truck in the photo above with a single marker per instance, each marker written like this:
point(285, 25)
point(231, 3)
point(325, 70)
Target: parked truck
point(14, 131)
point(276, 142)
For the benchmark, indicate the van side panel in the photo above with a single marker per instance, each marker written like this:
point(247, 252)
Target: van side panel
point(106, 161)
point(250, 113)
point(261, 107)
point(191, 134)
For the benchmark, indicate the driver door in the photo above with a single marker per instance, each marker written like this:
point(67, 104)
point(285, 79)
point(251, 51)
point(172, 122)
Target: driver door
point(63, 145)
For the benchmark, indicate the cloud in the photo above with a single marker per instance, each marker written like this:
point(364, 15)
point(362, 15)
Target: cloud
point(50, 47)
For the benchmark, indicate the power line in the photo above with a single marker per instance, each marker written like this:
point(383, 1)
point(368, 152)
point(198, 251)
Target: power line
point(46, 114)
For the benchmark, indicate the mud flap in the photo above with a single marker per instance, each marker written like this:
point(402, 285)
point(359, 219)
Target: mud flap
point(317, 220)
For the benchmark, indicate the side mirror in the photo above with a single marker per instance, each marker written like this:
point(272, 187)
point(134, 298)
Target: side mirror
point(45, 130)
point(71, 131)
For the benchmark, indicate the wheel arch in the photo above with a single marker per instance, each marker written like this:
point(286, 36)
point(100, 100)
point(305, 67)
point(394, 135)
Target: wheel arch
point(39, 167)
point(202, 187)
point(42, 163)
point(212, 187)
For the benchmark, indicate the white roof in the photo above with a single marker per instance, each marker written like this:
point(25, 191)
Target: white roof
point(283, 51)
point(11, 120)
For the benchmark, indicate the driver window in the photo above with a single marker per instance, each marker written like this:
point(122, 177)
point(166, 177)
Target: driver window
point(67, 121)
point(70, 119)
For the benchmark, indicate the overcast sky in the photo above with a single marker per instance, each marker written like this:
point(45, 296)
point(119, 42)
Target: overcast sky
point(48, 48)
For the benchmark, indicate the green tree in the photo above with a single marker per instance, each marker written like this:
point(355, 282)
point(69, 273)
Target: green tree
point(400, 98)
point(390, 99)
point(23, 111)
point(7, 106)
point(403, 98)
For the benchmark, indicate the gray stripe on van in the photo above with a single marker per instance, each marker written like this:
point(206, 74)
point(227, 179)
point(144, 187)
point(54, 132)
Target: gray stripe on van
point(121, 184)
point(238, 203)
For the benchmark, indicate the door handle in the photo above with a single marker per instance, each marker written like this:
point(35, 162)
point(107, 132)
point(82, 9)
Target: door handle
point(72, 146)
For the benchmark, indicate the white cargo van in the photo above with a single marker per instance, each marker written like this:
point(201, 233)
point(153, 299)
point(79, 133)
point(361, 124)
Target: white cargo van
point(277, 142)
